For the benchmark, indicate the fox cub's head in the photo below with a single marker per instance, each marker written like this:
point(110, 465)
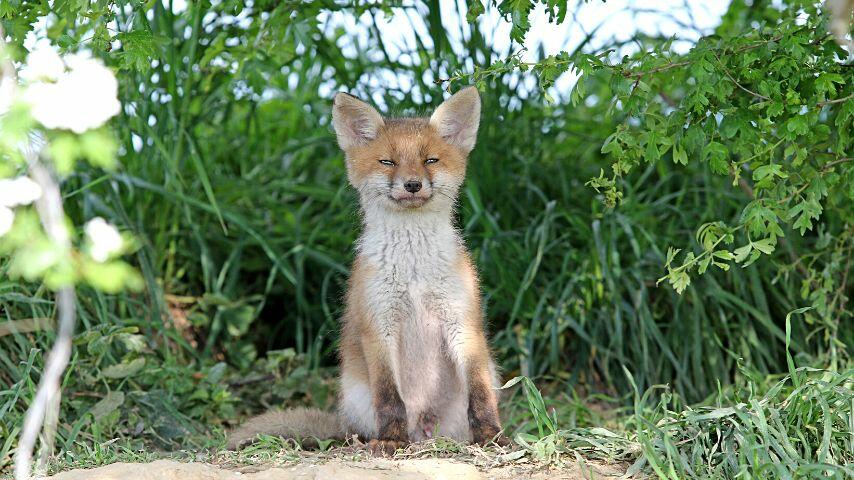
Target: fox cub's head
point(407, 164)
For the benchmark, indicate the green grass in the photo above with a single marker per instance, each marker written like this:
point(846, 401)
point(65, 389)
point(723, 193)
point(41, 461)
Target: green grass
point(245, 228)
point(798, 430)
point(794, 426)
point(797, 426)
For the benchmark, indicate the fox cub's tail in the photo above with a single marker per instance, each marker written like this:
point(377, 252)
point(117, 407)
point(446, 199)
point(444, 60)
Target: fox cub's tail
point(306, 425)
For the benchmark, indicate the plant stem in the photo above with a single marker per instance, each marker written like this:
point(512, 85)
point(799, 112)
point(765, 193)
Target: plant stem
point(45, 405)
point(835, 100)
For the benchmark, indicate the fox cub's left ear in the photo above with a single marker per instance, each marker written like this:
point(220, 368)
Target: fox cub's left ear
point(458, 117)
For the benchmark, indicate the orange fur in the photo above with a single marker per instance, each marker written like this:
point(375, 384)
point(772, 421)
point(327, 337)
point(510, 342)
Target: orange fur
point(414, 355)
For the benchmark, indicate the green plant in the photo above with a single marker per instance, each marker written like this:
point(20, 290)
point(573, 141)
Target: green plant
point(770, 108)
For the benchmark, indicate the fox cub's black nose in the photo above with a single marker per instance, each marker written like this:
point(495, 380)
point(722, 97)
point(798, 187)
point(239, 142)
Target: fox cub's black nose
point(412, 186)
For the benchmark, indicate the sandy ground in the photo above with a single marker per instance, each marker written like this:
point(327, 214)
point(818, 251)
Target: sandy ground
point(340, 469)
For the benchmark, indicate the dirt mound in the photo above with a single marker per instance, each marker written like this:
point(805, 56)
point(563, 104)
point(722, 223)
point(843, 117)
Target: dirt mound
point(382, 469)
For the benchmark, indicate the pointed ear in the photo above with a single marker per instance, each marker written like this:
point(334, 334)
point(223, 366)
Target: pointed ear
point(458, 117)
point(356, 122)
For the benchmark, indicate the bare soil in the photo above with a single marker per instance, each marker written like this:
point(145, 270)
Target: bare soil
point(340, 469)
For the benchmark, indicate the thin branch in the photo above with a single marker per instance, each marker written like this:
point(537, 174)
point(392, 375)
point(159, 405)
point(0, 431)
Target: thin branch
point(835, 100)
point(733, 80)
point(829, 165)
point(630, 74)
point(745, 187)
point(638, 75)
point(45, 405)
point(669, 101)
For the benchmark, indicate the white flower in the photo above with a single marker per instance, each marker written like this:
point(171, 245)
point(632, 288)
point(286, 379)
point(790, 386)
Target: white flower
point(42, 63)
point(7, 217)
point(105, 240)
point(83, 98)
point(19, 191)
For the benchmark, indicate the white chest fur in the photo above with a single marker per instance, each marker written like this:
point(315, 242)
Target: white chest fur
point(414, 259)
point(416, 296)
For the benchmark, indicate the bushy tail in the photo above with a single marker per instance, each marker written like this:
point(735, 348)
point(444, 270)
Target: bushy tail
point(306, 425)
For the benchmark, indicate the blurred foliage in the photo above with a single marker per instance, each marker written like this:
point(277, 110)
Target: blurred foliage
point(736, 151)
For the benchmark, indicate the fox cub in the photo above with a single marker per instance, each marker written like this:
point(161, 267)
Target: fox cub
point(414, 357)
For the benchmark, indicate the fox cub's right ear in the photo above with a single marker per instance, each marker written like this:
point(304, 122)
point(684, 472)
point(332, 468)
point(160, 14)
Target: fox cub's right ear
point(356, 122)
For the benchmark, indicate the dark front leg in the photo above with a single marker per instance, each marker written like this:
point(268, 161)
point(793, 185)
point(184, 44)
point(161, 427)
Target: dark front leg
point(483, 408)
point(391, 414)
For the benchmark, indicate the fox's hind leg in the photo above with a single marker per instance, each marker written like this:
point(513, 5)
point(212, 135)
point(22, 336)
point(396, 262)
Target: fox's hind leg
point(370, 405)
point(355, 406)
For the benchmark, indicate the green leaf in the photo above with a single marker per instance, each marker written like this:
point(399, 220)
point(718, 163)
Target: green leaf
point(124, 369)
point(612, 145)
point(740, 253)
point(824, 83)
point(694, 139)
point(66, 41)
point(793, 372)
point(721, 265)
point(475, 10)
point(679, 155)
point(798, 125)
point(216, 373)
point(730, 126)
point(238, 318)
point(680, 281)
point(651, 153)
point(754, 255)
point(806, 210)
point(775, 108)
point(766, 245)
point(139, 48)
point(765, 170)
point(107, 405)
point(716, 154)
point(724, 255)
point(518, 12)
point(761, 220)
point(510, 383)
point(101, 38)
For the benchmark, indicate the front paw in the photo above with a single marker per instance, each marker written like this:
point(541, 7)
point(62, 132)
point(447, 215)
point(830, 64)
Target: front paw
point(487, 434)
point(385, 448)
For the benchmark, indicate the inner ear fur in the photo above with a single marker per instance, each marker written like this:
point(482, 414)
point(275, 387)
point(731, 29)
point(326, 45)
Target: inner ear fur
point(458, 117)
point(355, 122)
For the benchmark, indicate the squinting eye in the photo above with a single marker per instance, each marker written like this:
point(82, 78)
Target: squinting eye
point(387, 162)
point(431, 160)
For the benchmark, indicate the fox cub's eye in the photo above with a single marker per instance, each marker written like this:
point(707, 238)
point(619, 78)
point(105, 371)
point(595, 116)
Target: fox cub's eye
point(390, 163)
point(431, 160)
